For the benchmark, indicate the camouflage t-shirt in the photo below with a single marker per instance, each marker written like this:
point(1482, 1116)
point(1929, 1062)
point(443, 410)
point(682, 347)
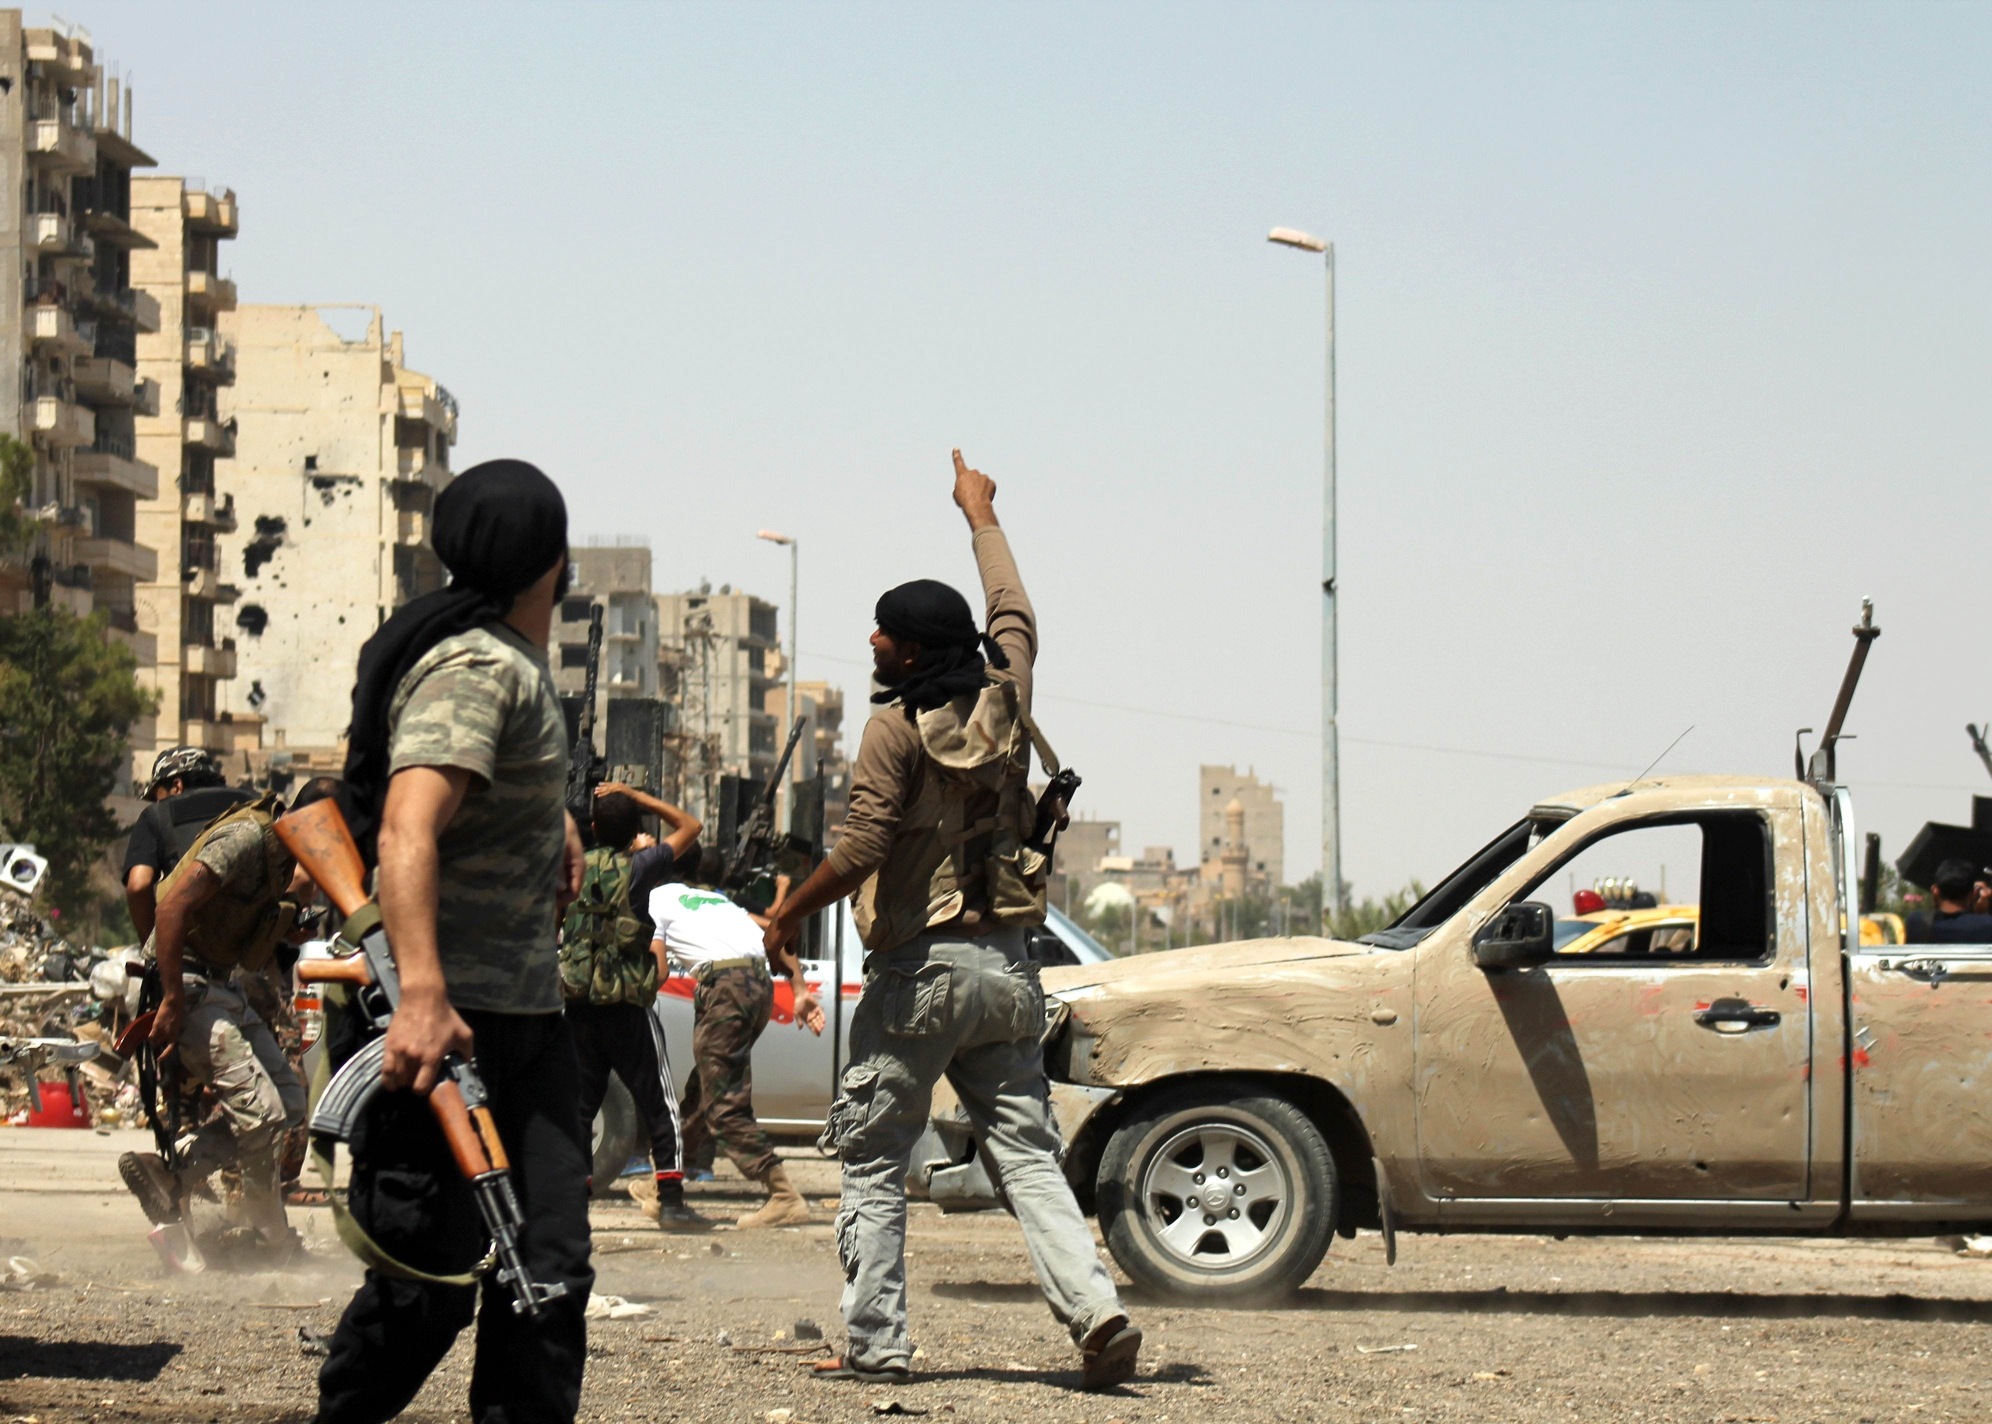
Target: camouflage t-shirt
point(484, 701)
point(254, 870)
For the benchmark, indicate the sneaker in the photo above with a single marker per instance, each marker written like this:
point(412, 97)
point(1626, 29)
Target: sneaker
point(1107, 1355)
point(679, 1218)
point(155, 1186)
point(699, 1174)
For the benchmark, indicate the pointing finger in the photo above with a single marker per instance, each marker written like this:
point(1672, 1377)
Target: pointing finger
point(960, 468)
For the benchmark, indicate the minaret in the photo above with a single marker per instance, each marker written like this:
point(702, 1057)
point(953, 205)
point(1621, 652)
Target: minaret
point(1235, 858)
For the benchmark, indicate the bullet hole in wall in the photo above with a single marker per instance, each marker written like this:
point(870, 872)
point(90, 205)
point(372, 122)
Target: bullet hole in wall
point(252, 618)
point(328, 486)
point(257, 697)
point(270, 530)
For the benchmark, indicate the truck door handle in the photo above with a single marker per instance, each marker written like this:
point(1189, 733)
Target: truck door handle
point(1735, 1016)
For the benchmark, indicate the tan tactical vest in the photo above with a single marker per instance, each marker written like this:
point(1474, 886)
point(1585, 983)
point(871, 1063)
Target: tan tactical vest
point(248, 917)
point(960, 841)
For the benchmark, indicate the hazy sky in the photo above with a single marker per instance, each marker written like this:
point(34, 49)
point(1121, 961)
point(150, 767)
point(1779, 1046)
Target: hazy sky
point(1663, 339)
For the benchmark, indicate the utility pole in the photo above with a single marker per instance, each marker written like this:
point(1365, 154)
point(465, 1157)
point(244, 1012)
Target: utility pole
point(1333, 892)
point(794, 654)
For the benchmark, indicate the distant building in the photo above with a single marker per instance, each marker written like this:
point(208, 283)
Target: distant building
point(616, 576)
point(1081, 849)
point(338, 455)
point(713, 663)
point(1264, 823)
point(821, 748)
point(181, 435)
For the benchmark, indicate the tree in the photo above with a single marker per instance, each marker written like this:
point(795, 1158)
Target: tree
point(17, 486)
point(1369, 916)
point(68, 696)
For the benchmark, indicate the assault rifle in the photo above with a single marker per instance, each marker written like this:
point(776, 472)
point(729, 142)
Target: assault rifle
point(1054, 809)
point(584, 768)
point(753, 850)
point(318, 836)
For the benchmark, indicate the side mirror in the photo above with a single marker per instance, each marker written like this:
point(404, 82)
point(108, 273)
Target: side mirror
point(1519, 935)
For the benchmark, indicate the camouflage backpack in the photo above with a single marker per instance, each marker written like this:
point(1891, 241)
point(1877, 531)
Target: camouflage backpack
point(604, 948)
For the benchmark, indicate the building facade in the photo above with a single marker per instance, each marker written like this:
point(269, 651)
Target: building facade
point(714, 663)
point(184, 605)
point(1264, 824)
point(68, 321)
point(337, 455)
point(617, 577)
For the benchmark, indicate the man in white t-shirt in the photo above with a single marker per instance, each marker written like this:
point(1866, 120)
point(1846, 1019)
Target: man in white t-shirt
point(703, 933)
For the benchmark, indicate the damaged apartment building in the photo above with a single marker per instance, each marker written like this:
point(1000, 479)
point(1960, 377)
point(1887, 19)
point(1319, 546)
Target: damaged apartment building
point(338, 453)
point(69, 321)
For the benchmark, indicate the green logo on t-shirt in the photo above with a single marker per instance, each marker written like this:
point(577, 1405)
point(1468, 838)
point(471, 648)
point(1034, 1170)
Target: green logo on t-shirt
point(692, 900)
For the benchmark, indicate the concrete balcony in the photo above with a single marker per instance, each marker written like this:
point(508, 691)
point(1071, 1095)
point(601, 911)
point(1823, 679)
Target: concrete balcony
point(134, 561)
point(103, 380)
point(109, 227)
point(417, 467)
point(210, 212)
point(144, 646)
point(62, 423)
point(210, 358)
point(141, 307)
point(208, 662)
point(209, 509)
point(65, 59)
point(207, 434)
point(209, 295)
point(59, 146)
point(145, 397)
point(206, 583)
point(105, 470)
point(54, 331)
point(51, 235)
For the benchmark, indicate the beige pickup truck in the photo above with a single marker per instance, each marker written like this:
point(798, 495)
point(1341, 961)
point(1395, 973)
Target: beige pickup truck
point(1229, 1110)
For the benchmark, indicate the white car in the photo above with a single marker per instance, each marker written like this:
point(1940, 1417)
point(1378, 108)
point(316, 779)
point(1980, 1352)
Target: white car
point(795, 1071)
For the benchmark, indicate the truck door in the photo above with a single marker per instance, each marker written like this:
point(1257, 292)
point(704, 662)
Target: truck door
point(1920, 1073)
point(1662, 1064)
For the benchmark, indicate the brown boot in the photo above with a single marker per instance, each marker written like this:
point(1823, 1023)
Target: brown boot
point(784, 1206)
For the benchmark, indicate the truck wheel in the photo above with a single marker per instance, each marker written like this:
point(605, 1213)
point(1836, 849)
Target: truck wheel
point(618, 1135)
point(1208, 1195)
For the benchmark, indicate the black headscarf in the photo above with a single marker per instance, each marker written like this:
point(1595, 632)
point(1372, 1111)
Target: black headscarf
point(499, 527)
point(952, 648)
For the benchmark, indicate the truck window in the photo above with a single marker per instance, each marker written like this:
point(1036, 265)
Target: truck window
point(1687, 889)
point(1443, 900)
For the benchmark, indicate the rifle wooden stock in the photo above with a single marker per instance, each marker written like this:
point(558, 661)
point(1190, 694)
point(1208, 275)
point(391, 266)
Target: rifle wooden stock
point(348, 969)
point(318, 837)
point(466, 1143)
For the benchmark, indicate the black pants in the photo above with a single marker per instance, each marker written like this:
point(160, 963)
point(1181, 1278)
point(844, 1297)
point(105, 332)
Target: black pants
point(407, 1192)
point(629, 1039)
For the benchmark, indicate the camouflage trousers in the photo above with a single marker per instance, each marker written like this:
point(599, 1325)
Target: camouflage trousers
point(226, 1048)
point(268, 992)
point(730, 1009)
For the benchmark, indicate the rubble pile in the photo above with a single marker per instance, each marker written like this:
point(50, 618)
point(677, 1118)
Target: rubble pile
point(34, 952)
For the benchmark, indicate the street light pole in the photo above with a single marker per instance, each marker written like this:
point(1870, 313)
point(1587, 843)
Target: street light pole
point(1332, 889)
point(795, 551)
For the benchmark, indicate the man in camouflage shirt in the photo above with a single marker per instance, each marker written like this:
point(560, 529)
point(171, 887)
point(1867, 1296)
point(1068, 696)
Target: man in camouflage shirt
point(224, 910)
point(455, 712)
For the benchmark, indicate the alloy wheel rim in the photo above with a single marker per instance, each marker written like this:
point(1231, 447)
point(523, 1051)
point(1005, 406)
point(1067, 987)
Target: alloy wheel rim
point(1215, 1195)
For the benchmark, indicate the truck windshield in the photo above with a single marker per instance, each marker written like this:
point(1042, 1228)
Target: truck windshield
point(1443, 900)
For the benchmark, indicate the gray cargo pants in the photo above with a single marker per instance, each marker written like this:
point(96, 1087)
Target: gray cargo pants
point(972, 1009)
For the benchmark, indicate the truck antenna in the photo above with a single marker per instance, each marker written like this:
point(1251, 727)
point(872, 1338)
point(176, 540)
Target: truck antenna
point(1655, 762)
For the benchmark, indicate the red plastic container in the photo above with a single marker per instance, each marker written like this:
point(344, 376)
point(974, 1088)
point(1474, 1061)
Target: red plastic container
point(58, 1109)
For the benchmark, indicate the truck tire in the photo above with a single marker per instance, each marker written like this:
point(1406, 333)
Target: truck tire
point(619, 1135)
point(1210, 1194)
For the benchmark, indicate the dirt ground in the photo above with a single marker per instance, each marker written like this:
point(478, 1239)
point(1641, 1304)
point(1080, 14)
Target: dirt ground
point(1468, 1328)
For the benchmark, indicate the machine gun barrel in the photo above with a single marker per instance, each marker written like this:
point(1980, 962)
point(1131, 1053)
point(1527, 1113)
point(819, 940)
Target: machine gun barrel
point(581, 768)
point(318, 836)
point(1824, 757)
point(758, 830)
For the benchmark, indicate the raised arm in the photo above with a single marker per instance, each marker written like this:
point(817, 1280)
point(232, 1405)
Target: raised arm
point(683, 827)
point(1008, 615)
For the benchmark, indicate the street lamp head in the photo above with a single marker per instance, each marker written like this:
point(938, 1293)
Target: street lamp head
point(773, 538)
point(1294, 237)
